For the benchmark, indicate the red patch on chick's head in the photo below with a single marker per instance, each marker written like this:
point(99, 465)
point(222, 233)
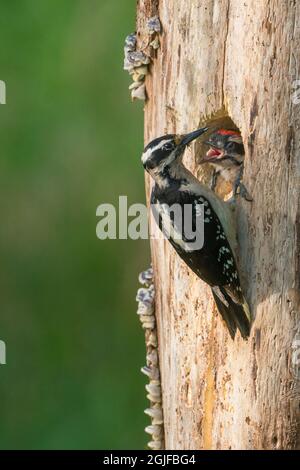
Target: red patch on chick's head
point(227, 132)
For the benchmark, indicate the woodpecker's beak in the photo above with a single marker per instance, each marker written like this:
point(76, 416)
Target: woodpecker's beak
point(188, 138)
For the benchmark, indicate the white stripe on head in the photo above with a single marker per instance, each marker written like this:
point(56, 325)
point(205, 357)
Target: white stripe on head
point(151, 150)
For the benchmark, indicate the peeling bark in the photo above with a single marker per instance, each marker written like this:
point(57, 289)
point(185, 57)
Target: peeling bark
point(227, 59)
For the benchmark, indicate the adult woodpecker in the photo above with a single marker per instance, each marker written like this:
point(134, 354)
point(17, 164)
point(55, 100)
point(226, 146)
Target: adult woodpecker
point(214, 262)
point(226, 155)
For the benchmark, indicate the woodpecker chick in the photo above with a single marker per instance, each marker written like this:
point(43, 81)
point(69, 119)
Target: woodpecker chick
point(226, 155)
point(214, 262)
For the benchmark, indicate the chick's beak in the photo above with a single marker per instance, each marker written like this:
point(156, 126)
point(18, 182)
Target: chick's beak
point(212, 155)
point(188, 138)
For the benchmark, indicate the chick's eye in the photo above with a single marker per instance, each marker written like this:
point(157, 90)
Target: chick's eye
point(230, 146)
point(168, 146)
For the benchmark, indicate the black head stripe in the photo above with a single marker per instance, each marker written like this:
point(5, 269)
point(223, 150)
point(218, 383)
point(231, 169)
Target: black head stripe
point(158, 151)
point(156, 141)
point(156, 157)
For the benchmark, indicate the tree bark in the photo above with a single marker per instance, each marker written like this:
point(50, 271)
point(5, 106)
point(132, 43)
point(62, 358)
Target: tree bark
point(233, 62)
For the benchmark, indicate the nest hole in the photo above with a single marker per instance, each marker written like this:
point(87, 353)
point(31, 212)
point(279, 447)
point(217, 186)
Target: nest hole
point(204, 172)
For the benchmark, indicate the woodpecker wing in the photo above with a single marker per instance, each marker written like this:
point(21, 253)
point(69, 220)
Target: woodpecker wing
point(214, 263)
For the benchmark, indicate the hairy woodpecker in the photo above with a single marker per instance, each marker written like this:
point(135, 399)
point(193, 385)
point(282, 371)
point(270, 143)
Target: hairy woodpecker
point(226, 155)
point(215, 262)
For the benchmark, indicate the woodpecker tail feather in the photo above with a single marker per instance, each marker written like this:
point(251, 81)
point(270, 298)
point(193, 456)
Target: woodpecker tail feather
point(225, 313)
point(234, 314)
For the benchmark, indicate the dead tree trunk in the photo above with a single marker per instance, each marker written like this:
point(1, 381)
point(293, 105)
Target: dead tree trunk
point(237, 63)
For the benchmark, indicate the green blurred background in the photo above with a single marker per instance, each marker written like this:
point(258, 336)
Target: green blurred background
point(70, 139)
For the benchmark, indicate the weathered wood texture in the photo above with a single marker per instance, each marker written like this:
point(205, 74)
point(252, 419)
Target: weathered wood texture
point(238, 59)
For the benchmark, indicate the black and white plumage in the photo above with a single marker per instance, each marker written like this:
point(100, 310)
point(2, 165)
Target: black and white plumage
point(215, 262)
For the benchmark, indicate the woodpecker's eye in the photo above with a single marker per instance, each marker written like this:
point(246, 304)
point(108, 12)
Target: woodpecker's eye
point(168, 146)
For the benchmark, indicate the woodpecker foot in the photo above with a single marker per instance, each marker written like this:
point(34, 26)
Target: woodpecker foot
point(244, 193)
point(239, 191)
point(214, 179)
